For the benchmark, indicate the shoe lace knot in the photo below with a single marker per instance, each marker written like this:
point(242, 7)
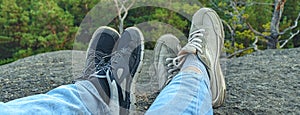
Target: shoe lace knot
point(195, 40)
point(95, 62)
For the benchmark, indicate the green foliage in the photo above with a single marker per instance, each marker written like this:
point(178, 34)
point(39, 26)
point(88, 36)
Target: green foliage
point(237, 47)
point(258, 14)
point(37, 26)
point(4, 39)
point(235, 15)
point(77, 8)
point(163, 15)
point(23, 53)
point(28, 27)
point(6, 61)
point(167, 19)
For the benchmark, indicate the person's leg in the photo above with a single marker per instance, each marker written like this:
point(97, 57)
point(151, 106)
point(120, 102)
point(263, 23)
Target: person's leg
point(207, 41)
point(83, 97)
point(200, 84)
point(126, 64)
point(121, 73)
point(177, 96)
point(62, 100)
point(187, 93)
point(98, 57)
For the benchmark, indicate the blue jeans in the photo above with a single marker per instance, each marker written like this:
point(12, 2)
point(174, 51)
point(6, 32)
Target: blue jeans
point(80, 98)
point(187, 93)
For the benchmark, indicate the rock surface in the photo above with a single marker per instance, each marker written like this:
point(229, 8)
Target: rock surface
point(265, 82)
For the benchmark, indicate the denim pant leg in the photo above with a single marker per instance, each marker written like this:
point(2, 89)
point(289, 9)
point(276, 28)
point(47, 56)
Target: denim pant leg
point(188, 93)
point(79, 98)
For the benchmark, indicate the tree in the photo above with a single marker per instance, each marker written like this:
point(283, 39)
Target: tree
point(37, 26)
point(239, 40)
point(120, 5)
point(13, 23)
point(273, 37)
point(77, 8)
point(248, 22)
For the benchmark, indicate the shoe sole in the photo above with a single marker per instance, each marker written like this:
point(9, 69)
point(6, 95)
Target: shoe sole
point(217, 77)
point(99, 31)
point(132, 108)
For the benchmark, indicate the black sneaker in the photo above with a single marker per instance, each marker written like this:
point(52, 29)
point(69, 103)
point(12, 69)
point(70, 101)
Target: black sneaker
point(97, 58)
point(100, 49)
point(126, 64)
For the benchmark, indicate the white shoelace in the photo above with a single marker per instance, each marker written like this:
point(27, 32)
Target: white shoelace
point(92, 56)
point(194, 43)
point(195, 39)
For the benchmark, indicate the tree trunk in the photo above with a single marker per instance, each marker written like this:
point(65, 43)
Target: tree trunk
point(121, 26)
point(278, 9)
point(272, 43)
point(296, 41)
point(273, 38)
